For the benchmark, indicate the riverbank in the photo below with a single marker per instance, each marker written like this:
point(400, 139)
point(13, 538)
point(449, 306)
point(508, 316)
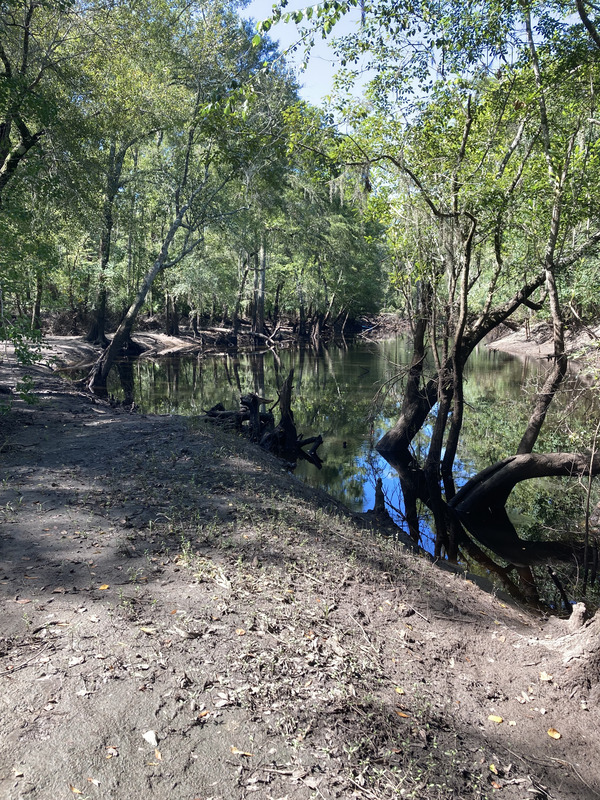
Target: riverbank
point(582, 345)
point(184, 619)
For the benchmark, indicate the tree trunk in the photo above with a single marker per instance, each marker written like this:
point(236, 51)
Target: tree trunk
point(480, 504)
point(240, 296)
point(99, 373)
point(258, 319)
point(36, 320)
point(97, 331)
point(172, 317)
point(275, 317)
point(11, 157)
point(419, 400)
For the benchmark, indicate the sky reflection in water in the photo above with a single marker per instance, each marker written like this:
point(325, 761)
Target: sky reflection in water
point(338, 393)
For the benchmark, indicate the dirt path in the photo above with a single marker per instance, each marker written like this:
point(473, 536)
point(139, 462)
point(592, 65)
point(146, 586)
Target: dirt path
point(183, 619)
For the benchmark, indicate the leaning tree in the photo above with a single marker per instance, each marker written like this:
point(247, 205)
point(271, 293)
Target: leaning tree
point(478, 128)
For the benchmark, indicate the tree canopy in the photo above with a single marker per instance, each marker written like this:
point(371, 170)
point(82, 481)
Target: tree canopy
point(156, 158)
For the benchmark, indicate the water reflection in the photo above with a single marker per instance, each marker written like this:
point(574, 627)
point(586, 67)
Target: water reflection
point(339, 393)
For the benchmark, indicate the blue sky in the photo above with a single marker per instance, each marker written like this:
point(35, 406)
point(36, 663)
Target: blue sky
point(316, 81)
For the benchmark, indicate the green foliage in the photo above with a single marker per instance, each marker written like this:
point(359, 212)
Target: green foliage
point(25, 339)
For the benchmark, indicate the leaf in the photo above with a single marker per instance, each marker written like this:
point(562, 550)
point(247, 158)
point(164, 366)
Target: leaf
point(545, 677)
point(256, 40)
point(104, 587)
point(76, 660)
point(149, 631)
point(554, 733)
point(95, 781)
point(74, 790)
point(399, 690)
point(493, 769)
point(494, 718)
point(403, 715)
point(240, 631)
point(151, 738)
point(157, 754)
point(239, 752)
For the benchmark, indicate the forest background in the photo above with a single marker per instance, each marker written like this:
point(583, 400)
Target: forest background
point(155, 158)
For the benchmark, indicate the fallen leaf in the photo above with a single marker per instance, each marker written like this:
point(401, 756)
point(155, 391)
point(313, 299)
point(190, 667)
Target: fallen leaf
point(240, 631)
point(74, 790)
point(545, 677)
point(157, 755)
point(399, 690)
point(18, 773)
point(112, 752)
point(104, 587)
point(76, 660)
point(403, 715)
point(95, 781)
point(554, 733)
point(149, 631)
point(496, 785)
point(493, 769)
point(238, 752)
point(151, 738)
point(494, 718)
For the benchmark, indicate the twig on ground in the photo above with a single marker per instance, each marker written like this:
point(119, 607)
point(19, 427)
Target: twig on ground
point(26, 662)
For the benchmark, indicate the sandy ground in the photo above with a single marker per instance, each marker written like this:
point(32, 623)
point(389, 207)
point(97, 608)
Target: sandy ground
point(183, 619)
point(582, 345)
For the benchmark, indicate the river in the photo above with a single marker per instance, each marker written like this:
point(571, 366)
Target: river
point(347, 394)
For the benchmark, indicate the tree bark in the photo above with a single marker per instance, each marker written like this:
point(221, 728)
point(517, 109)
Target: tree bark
point(480, 504)
point(36, 321)
point(259, 287)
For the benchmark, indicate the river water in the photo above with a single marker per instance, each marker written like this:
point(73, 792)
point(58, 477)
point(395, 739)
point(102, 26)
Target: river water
point(347, 394)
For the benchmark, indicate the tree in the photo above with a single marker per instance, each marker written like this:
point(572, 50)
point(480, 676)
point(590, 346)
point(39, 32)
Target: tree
point(206, 147)
point(495, 166)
